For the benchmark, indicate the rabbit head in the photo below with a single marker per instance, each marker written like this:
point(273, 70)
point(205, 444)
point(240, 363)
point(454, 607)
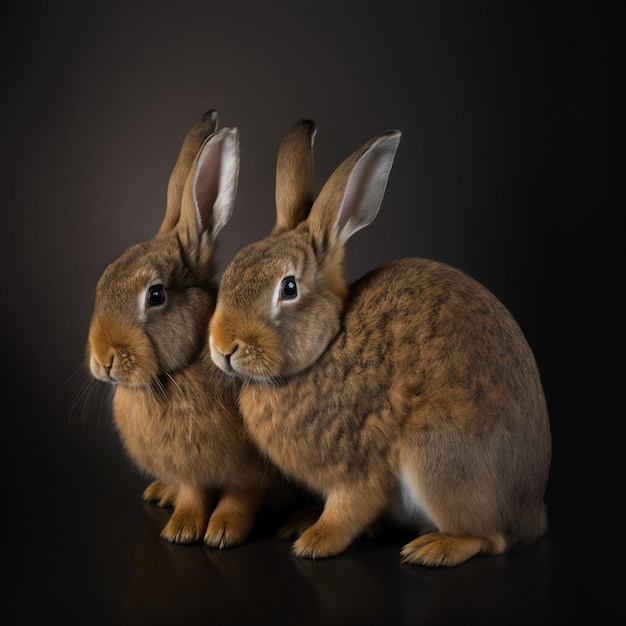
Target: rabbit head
point(153, 302)
point(283, 297)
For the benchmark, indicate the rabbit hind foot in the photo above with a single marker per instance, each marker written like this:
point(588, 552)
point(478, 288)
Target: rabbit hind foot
point(443, 550)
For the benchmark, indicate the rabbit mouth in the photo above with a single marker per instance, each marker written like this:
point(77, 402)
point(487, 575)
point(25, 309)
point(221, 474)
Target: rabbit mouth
point(244, 363)
point(221, 360)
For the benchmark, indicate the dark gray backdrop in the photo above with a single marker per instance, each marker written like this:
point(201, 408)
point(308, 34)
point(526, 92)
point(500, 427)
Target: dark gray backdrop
point(504, 170)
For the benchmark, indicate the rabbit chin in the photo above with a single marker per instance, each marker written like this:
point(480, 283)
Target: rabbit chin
point(244, 373)
point(257, 369)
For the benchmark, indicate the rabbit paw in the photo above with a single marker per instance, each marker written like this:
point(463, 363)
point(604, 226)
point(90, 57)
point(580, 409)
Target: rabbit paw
point(299, 522)
point(160, 493)
point(318, 542)
point(441, 550)
point(185, 526)
point(227, 529)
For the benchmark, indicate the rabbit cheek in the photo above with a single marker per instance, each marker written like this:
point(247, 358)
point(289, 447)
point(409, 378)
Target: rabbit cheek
point(177, 331)
point(306, 342)
point(175, 344)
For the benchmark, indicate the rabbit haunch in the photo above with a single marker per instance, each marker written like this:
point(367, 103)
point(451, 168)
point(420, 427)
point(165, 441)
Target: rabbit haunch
point(411, 392)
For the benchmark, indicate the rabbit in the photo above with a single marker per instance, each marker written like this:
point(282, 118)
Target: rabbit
point(410, 395)
point(175, 411)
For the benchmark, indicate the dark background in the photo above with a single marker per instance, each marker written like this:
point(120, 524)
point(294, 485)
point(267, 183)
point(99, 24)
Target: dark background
point(505, 169)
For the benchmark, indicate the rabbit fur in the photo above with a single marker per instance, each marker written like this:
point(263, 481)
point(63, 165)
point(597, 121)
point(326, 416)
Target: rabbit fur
point(411, 394)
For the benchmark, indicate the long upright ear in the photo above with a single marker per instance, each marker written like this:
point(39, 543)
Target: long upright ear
point(295, 176)
point(211, 187)
point(351, 197)
point(192, 143)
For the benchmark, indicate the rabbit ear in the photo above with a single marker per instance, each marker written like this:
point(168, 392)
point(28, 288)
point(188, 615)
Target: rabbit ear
point(351, 197)
point(192, 143)
point(211, 187)
point(295, 176)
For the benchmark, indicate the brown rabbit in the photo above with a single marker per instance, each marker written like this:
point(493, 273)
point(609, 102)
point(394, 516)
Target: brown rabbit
point(175, 411)
point(410, 394)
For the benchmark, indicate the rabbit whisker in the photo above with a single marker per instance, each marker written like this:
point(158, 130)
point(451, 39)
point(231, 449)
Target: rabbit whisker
point(174, 382)
point(157, 383)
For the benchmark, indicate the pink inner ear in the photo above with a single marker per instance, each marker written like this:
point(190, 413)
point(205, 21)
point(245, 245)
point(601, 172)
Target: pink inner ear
point(206, 186)
point(215, 182)
point(366, 188)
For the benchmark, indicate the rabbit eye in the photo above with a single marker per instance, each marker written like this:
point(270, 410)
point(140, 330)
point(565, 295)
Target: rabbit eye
point(288, 288)
point(156, 295)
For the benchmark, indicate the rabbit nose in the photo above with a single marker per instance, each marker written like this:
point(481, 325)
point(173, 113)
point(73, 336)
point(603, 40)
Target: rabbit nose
point(107, 368)
point(233, 349)
point(222, 354)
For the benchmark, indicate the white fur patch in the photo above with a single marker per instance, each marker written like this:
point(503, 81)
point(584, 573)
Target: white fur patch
point(408, 509)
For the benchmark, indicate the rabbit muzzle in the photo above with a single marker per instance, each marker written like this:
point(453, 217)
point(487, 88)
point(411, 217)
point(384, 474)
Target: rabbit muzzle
point(120, 354)
point(245, 346)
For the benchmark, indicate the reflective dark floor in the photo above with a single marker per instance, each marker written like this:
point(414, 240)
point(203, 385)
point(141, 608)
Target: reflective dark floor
point(80, 547)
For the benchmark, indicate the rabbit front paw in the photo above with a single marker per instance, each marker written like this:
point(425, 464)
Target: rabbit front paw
point(318, 542)
point(225, 531)
point(160, 493)
point(299, 522)
point(233, 517)
point(185, 526)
